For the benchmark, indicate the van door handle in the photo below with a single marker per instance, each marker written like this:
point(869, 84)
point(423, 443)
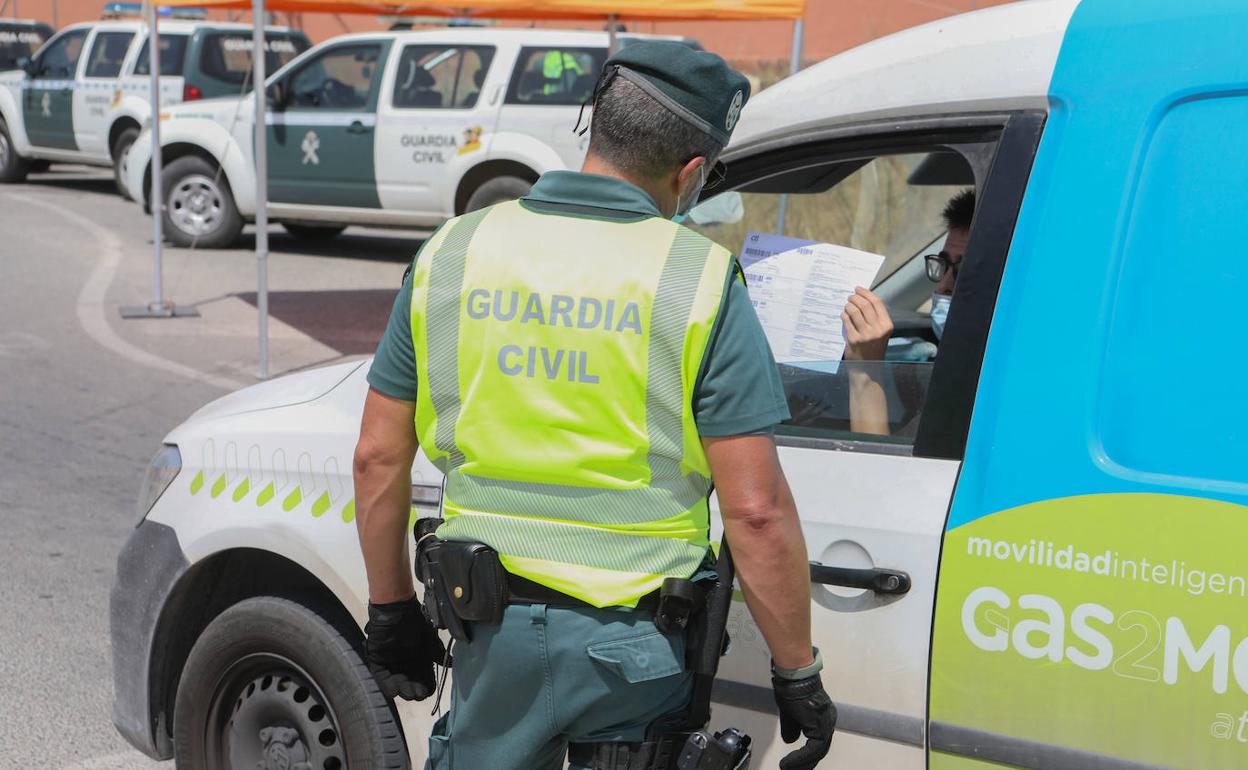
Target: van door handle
point(358, 127)
point(881, 581)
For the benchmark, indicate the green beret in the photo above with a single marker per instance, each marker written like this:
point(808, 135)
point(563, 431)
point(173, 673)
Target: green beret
point(697, 86)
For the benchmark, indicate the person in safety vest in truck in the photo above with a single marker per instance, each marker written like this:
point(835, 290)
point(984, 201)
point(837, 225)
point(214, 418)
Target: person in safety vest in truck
point(584, 370)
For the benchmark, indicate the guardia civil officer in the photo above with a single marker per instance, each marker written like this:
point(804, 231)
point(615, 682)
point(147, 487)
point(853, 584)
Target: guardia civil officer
point(584, 370)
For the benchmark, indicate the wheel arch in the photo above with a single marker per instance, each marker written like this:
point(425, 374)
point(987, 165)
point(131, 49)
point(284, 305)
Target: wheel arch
point(483, 172)
point(120, 124)
point(175, 150)
point(208, 588)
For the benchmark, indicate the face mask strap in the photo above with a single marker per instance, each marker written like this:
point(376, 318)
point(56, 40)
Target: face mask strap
point(604, 80)
point(702, 170)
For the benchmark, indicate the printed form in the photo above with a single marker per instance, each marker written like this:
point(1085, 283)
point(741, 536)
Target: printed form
point(799, 290)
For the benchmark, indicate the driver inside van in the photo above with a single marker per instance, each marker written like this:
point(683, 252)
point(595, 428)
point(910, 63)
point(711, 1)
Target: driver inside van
point(868, 326)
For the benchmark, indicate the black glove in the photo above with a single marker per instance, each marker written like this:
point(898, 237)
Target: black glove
point(400, 648)
point(805, 709)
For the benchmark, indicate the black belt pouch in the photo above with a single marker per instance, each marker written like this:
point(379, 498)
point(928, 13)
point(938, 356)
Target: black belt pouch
point(467, 576)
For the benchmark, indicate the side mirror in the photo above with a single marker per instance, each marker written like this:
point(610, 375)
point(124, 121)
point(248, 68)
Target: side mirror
point(27, 65)
point(276, 96)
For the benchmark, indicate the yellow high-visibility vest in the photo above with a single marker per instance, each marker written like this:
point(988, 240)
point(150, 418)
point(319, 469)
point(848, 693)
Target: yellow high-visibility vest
point(557, 358)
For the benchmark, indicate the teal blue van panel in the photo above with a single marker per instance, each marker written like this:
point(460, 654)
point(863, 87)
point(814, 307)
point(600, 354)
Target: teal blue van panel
point(1087, 379)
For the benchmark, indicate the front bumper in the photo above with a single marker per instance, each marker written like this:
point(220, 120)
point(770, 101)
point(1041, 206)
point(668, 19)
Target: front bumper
point(136, 170)
point(148, 568)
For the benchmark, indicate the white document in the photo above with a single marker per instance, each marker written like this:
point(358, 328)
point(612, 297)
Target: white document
point(799, 290)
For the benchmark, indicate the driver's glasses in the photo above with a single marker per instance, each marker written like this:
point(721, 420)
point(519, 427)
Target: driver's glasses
point(938, 264)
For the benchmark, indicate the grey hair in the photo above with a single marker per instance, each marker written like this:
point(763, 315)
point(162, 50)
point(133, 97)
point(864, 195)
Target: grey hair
point(637, 135)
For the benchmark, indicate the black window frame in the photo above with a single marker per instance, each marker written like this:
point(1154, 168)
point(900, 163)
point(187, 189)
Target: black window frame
point(1001, 180)
point(482, 49)
point(99, 35)
point(512, 97)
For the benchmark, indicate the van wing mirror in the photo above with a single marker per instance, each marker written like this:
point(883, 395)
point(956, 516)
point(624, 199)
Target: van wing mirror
point(27, 65)
point(277, 95)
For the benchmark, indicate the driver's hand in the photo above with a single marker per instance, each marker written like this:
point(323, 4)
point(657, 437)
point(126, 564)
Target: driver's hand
point(867, 326)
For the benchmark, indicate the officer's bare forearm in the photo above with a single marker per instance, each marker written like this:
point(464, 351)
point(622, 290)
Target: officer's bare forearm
point(383, 495)
point(762, 526)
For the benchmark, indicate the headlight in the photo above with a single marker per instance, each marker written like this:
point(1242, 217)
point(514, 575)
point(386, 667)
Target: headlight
point(161, 472)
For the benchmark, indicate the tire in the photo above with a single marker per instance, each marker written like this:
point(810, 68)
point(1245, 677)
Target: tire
point(199, 208)
point(314, 232)
point(118, 152)
point(498, 190)
point(13, 167)
point(272, 678)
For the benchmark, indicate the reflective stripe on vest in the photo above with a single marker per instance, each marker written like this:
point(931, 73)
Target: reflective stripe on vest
point(556, 394)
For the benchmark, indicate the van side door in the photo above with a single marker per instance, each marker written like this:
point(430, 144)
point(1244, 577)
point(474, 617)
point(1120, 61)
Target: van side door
point(48, 94)
point(872, 450)
point(99, 89)
point(434, 120)
point(321, 140)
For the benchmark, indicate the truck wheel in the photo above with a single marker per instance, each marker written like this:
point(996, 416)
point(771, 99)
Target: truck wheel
point(120, 153)
point(13, 167)
point(271, 683)
point(498, 190)
point(313, 232)
point(199, 208)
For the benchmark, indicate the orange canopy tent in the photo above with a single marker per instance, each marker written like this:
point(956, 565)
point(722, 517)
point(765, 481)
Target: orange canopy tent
point(608, 11)
point(649, 10)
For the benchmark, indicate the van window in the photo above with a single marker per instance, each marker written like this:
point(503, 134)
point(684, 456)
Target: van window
point(340, 78)
point(59, 60)
point(441, 76)
point(108, 51)
point(889, 206)
point(172, 56)
point(226, 56)
point(557, 76)
point(18, 43)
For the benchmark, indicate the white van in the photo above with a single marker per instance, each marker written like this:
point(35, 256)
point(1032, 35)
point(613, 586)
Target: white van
point(84, 96)
point(391, 128)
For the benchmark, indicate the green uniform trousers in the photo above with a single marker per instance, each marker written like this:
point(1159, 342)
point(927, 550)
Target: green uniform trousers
point(549, 675)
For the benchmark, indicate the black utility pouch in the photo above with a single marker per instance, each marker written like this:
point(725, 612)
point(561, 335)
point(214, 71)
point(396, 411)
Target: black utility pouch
point(464, 581)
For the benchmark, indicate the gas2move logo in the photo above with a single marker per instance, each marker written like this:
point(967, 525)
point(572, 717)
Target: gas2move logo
point(1134, 644)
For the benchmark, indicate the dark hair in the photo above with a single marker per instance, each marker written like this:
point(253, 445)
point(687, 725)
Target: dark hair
point(960, 211)
point(637, 135)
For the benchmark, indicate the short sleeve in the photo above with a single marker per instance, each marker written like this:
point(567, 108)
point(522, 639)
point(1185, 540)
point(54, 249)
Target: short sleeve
point(740, 390)
point(394, 365)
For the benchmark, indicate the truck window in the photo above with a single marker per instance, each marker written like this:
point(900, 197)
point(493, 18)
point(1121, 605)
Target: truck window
point(18, 43)
point(108, 51)
point(341, 78)
point(226, 56)
point(889, 206)
point(172, 56)
point(441, 76)
point(555, 76)
point(59, 59)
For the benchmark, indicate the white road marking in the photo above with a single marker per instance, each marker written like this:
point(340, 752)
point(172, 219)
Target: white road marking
point(91, 308)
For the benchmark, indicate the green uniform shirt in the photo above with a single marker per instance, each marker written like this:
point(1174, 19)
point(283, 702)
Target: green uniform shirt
point(739, 389)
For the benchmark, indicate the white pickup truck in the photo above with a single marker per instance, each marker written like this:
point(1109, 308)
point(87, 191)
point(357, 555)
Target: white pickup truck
point(395, 128)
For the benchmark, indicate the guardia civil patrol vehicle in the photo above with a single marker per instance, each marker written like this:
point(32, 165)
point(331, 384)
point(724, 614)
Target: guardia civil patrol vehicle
point(1038, 564)
point(399, 129)
point(84, 96)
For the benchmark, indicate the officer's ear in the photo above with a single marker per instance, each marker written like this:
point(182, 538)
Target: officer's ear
point(690, 173)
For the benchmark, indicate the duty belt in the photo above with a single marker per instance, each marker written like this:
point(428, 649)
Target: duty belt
point(524, 591)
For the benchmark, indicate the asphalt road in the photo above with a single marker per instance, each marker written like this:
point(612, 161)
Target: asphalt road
point(85, 399)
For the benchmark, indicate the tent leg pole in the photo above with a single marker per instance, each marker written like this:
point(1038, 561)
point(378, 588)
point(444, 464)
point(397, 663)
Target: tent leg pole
point(158, 196)
point(262, 184)
point(613, 44)
point(795, 64)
